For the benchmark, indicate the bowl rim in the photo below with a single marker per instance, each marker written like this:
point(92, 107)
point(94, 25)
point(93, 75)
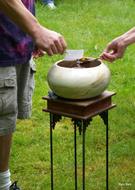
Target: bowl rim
point(76, 68)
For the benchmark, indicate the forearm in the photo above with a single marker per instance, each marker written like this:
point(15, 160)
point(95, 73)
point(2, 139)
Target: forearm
point(129, 37)
point(18, 13)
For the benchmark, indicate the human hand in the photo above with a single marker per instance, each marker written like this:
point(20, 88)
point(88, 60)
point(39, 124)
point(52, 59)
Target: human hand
point(49, 41)
point(114, 50)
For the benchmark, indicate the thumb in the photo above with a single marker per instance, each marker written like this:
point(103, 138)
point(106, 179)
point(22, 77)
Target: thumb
point(109, 48)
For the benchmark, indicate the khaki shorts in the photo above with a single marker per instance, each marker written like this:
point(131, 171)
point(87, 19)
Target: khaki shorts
point(16, 89)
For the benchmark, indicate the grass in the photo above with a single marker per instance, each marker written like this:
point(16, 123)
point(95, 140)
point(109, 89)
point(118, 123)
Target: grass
point(89, 25)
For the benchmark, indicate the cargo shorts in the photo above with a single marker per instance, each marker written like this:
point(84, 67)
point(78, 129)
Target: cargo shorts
point(16, 90)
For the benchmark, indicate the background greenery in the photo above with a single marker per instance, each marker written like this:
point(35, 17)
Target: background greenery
point(87, 24)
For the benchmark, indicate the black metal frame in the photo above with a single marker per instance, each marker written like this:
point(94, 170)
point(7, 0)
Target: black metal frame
point(82, 125)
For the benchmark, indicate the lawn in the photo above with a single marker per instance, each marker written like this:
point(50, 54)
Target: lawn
point(88, 25)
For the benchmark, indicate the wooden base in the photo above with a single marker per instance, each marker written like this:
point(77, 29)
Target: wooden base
point(80, 109)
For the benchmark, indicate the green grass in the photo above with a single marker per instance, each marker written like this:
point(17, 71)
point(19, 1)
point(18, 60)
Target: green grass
point(87, 24)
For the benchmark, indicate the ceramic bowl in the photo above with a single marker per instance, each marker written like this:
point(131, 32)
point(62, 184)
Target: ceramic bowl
point(78, 79)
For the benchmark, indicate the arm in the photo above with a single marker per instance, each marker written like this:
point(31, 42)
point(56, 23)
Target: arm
point(129, 37)
point(46, 40)
point(116, 48)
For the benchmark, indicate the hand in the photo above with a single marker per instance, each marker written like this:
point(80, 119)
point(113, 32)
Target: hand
point(114, 50)
point(38, 53)
point(49, 41)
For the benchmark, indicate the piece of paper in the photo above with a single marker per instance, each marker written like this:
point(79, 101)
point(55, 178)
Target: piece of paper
point(72, 55)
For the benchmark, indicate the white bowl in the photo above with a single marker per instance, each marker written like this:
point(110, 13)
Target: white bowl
point(69, 80)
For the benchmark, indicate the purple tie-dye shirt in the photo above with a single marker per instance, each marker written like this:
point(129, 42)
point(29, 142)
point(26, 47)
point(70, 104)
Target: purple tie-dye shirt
point(15, 46)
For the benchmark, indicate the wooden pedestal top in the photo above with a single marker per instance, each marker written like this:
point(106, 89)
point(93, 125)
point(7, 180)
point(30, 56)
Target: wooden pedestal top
point(80, 109)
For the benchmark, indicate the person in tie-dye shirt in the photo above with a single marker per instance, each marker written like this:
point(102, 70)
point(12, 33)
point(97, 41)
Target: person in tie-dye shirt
point(20, 35)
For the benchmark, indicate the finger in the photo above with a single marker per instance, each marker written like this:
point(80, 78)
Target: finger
point(38, 53)
point(108, 57)
point(105, 58)
point(59, 46)
point(63, 43)
point(104, 53)
point(111, 58)
point(49, 51)
point(108, 49)
point(42, 53)
point(102, 57)
point(54, 49)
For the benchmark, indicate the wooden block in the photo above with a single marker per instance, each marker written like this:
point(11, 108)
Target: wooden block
point(82, 109)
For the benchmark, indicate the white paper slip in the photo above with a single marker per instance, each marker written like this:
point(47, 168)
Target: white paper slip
point(72, 55)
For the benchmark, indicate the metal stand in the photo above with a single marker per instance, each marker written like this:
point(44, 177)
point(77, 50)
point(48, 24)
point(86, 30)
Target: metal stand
point(81, 121)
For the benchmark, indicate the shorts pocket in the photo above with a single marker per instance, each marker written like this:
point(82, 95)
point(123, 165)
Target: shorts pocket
point(8, 96)
point(2, 94)
point(7, 83)
point(10, 83)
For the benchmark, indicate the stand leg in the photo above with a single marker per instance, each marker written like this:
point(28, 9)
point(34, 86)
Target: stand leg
point(83, 153)
point(107, 153)
point(51, 147)
point(104, 116)
point(75, 155)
